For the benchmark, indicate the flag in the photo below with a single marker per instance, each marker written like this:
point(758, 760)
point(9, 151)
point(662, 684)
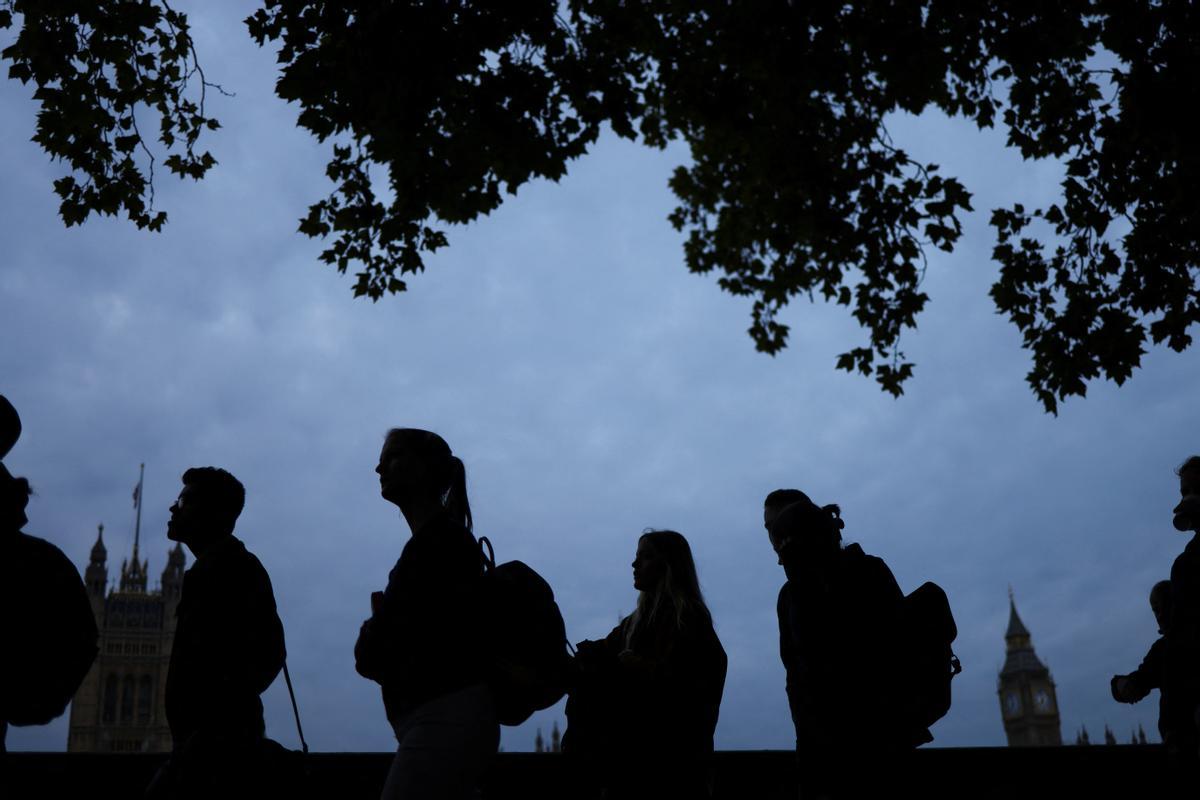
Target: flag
point(137, 494)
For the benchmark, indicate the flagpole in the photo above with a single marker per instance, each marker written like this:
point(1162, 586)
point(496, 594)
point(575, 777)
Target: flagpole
point(137, 526)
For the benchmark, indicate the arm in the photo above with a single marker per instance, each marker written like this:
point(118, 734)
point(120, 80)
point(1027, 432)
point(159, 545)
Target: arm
point(787, 654)
point(1136, 685)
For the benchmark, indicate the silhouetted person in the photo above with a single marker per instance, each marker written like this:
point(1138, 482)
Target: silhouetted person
point(838, 615)
point(45, 617)
point(228, 648)
point(1182, 676)
point(642, 716)
point(422, 643)
point(1151, 672)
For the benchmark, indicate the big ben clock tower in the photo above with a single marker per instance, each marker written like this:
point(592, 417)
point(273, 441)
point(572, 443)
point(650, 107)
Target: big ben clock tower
point(1028, 701)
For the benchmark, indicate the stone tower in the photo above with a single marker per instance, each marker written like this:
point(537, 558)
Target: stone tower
point(119, 707)
point(1028, 702)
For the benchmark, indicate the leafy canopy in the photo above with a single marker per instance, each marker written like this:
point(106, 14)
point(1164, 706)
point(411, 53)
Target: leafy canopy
point(794, 186)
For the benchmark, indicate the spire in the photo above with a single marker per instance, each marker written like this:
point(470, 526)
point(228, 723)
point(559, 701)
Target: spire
point(1021, 657)
point(539, 745)
point(99, 551)
point(555, 739)
point(95, 577)
point(172, 575)
point(1016, 628)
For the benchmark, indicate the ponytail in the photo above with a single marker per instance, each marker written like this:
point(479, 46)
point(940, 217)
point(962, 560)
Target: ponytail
point(456, 502)
point(836, 523)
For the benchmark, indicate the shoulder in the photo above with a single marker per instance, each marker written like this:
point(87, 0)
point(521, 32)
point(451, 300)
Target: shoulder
point(856, 558)
point(619, 633)
point(233, 561)
point(698, 628)
point(443, 534)
point(234, 551)
point(41, 554)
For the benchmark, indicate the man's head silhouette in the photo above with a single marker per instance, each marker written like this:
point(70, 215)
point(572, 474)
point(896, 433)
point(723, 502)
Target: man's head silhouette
point(14, 497)
point(14, 492)
point(207, 507)
point(10, 426)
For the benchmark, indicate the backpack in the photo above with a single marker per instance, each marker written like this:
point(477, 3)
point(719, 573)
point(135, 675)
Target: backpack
point(929, 630)
point(526, 639)
point(55, 636)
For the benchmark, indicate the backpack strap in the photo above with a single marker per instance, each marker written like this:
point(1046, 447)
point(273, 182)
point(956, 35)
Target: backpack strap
point(488, 554)
point(295, 710)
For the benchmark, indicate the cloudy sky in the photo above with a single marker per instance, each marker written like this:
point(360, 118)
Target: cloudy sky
point(594, 388)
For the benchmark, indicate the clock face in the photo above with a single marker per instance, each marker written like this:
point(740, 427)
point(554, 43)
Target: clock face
point(1041, 699)
point(1011, 702)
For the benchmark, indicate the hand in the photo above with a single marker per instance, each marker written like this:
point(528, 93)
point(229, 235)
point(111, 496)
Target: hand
point(1121, 690)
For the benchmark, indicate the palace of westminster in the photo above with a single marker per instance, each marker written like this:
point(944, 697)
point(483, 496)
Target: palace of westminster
point(119, 708)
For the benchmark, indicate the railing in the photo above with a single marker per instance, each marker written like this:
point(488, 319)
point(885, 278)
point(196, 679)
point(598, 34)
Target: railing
point(1128, 772)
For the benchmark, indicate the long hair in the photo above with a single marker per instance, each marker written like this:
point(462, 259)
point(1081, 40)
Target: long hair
point(677, 596)
point(445, 475)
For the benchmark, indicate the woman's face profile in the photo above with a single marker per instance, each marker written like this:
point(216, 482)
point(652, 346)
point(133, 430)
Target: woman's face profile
point(397, 471)
point(648, 567)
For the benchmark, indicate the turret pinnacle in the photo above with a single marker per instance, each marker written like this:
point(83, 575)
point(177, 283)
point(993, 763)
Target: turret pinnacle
point(133, 573)
point(95, 577)
point(99, 551)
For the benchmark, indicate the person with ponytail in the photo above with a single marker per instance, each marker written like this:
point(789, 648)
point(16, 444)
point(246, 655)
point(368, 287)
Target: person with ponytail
point(642, 715)
point(838, 613)
point(422, 643)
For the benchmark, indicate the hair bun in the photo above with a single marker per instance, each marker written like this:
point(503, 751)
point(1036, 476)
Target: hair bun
point(835, 515)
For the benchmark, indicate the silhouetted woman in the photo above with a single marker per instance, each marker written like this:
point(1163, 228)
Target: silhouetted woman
point(838, 613)
point(421, 643)
point(645, 708)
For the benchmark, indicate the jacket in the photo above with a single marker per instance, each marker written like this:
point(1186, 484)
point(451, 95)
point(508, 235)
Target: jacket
point(228, 646)
point(836, 641)
point(424, 641)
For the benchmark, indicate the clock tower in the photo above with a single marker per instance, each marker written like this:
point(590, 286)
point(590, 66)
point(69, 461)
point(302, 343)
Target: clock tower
point(1028, 702)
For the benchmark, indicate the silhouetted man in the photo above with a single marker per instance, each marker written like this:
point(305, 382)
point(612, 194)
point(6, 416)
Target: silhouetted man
point(227, 650)
point(45, 616)
point(1149, 675)
point(838, 613)
point(1182, 669)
